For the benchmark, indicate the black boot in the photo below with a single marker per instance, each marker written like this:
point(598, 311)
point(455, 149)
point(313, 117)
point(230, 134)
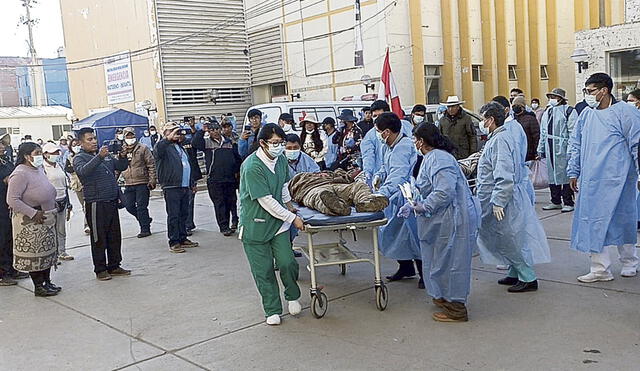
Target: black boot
point(524, 286)
point(406, 270)
point(41, 290)
point(49, 285)
point(509, 281)
point(419, 269)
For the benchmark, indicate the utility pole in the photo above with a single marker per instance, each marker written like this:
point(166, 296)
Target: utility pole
point(34, 71)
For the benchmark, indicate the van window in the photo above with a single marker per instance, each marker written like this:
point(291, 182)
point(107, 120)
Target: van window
point(269, 114)
point(299, 113)
point(357, 111)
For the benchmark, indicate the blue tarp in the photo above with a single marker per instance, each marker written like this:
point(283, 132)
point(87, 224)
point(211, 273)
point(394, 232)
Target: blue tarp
point(106, 123)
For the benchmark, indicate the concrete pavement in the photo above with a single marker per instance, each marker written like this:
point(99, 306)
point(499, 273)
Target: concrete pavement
point(200, 310)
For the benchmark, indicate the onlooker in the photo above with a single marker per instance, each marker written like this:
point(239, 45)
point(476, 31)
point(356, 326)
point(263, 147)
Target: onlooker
point(418, 114)
point(314, 143)
point(139, 180)
point(196, 173)
point(150, 137)
point(223, 175)
point(514, 93)
point(96, 171)
point(74, 181)
point(349, 142)
point(250, 132)
point(537, 109)
point(58, 178)
point(458, 126)
point(32, 200)
point(366, 123)
point(5, 141)
point(555, 131)
point(287, 123)
point(529, 124)
point(7, 273)
point(227, 131)
point(299, 162)
point(633, 99)
point(174, 175)
point(329, 126)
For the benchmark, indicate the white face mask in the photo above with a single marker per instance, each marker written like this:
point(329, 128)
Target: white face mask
point(535, 105)
point(152, 132)
point(632, 104)
point(130, 141)
point(292, 154)
point(120, 136)
point(554, 102)
point(53, 158)
point(37, 161)
point(380, 137)
point(484, 130)
point(309, 131)
point(286, 127)
point(145, 133)
point(591, 100)
point(418, 119)
point(207, 136)
point(276, 150)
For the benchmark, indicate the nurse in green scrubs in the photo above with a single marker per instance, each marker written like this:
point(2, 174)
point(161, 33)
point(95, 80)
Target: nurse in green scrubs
point(266, 214)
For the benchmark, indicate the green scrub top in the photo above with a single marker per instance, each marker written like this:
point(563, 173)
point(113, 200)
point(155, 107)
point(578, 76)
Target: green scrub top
point(256, 180)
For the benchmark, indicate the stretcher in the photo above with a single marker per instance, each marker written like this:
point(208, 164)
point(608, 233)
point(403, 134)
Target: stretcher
point(337, 253)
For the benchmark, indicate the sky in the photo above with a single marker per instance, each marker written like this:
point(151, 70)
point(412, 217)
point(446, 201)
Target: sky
point(47, 34)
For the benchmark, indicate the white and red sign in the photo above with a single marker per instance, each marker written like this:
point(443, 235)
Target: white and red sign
point(118, 79)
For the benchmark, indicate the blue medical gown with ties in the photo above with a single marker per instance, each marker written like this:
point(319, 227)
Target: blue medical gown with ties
point(604, 154)
point(398, 238)
point(503, 181)
point(447, 230)
point(305, 164)
point(372, 150)
point(516, 131)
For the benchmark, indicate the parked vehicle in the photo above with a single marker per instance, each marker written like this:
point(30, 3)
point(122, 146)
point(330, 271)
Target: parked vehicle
point(321, 109)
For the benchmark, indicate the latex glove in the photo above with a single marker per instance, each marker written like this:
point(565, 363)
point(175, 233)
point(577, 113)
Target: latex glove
point(406, 210)
point(377, 182)
point(498, 212)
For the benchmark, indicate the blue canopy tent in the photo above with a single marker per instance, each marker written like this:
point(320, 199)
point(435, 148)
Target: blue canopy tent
point(106, 123)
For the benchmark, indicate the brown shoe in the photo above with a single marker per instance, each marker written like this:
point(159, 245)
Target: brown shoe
point(439, 302)
point(103, 276)
point(373, 204)
point(335, 204)
point(176, 249)
point(187, 244)
point(443, 317)
point(120, 272)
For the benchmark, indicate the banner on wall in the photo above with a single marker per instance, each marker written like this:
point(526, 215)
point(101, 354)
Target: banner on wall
point(118, 79)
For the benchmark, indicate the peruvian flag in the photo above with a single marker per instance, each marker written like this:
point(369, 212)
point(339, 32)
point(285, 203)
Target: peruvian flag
point(388, 91)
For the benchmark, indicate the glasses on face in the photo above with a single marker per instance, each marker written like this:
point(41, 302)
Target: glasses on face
point(276, 143)
point(586, 91)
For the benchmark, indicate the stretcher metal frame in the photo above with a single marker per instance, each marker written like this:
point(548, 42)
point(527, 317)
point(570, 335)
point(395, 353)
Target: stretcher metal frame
point(338, 253)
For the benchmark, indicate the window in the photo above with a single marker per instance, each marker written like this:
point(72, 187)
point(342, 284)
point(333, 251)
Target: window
point(544, 73)
point(432, 84)
point(60, 130)
point(15, 131)
point(624, 68)
point(476, 72)
point(513, 75)
point(321, 113)
point(278, 90)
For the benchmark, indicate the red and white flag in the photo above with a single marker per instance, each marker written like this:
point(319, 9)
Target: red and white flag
point(388, 91)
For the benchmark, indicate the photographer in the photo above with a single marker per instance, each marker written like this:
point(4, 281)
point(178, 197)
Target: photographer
point(96, 171)
point(250, 132)
point(178, 184)
point(139, 180)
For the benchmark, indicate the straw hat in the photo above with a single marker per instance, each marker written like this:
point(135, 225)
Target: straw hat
point(452, 100)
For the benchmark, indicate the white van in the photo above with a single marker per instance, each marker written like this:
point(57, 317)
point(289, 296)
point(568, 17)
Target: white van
point(322, 109)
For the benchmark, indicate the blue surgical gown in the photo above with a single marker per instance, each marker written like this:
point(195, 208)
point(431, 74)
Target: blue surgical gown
point(503, 181)
point(372, 149)
point(520, 137)
point(332, 152)
point(446, 230)
point(398, 238)
point(555, 130)
point(604, 154)
point(305, 164)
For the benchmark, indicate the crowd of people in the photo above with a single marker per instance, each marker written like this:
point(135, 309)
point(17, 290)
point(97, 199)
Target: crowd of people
point(433, 234)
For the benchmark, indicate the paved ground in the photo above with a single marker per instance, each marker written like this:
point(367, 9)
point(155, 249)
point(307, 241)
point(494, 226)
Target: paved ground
point(200, 310)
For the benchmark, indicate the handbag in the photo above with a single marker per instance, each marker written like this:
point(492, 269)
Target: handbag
point(539, 174)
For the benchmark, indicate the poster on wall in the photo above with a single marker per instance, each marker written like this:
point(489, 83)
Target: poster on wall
point(117, 73)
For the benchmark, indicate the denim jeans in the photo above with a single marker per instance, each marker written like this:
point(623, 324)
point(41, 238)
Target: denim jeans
point(177, 206)
point(136, 201)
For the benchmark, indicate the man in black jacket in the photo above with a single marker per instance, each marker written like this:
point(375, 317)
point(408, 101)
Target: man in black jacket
point(223, 174)
point(175, 175)
point(196, 174)
point(96, 171)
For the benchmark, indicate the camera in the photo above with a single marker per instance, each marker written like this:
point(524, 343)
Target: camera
point(247, 127)
point(114, 145)
point(182, 132)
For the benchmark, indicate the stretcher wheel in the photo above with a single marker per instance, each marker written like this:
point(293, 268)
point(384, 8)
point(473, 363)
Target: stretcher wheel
point(319, 304)
point(343, 269)
point(382, 297)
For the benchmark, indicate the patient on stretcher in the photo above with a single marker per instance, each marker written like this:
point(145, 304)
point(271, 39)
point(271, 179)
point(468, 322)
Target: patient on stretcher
point(334, 193)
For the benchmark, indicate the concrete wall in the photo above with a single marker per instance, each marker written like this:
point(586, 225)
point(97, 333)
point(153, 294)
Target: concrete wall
point(37, 126)
point(632, 11)
point(94, 29)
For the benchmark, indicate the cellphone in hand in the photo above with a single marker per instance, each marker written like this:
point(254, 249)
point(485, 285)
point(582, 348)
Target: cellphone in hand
point(247, 127)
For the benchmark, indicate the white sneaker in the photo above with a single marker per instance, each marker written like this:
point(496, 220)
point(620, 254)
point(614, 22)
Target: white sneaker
point(502, 267)
point(628, 272)
point(294, 307)
point(552, 206)
point(567, 209)
point(273, 320)
point(595, 277)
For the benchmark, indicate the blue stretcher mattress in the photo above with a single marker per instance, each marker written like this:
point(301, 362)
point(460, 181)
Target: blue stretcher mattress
point(316, 218)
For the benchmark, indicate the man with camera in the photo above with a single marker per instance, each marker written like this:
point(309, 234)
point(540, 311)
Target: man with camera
point(96, 171)
point(247, 143)
point(139, 180)
point(178, 184)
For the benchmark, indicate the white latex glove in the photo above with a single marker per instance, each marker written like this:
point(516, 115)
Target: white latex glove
point(377, 182)
point(498, 212)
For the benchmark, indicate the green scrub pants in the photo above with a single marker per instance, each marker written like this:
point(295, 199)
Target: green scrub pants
point(521, 271)
point(261, 258)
